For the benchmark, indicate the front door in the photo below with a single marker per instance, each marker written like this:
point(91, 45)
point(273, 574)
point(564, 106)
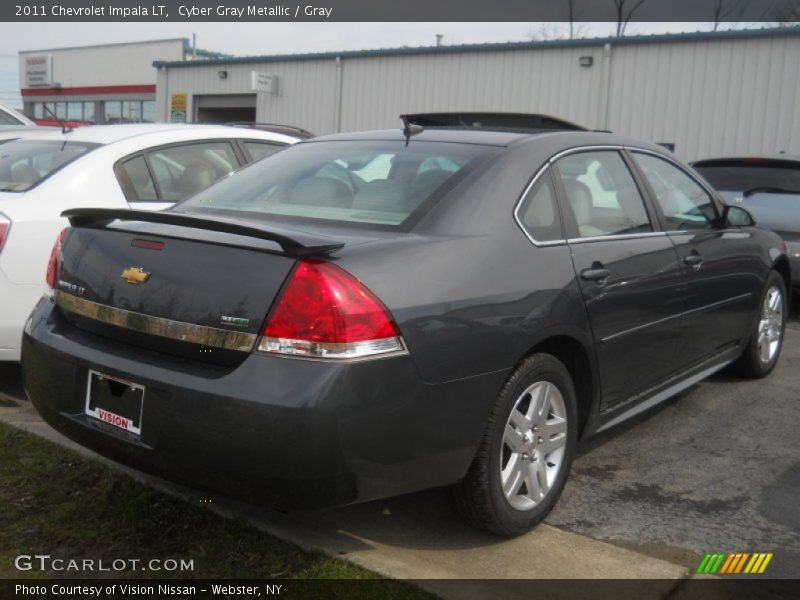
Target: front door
point(721, 270)
point(628, 272)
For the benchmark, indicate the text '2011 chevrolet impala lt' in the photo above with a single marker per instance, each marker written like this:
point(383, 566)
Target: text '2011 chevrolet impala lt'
point(364, 315)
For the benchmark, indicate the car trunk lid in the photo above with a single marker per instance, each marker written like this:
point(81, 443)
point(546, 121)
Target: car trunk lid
point(180, 284)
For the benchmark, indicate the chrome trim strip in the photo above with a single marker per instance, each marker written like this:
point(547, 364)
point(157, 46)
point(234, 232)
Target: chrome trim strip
point(574, 150)
point(663, 395)
point(166, 328)
point(731, 300)
point(619, 236)
point(401, 350)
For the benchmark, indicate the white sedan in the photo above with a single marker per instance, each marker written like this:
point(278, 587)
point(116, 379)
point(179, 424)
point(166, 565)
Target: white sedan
point(112, 166)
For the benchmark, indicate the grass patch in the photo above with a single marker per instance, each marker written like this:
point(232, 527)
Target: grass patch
point(54, 501)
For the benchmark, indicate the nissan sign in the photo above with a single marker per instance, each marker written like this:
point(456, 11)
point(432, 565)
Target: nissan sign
point(38, 70)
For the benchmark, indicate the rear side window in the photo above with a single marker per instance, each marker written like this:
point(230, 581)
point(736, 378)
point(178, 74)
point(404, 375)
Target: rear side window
point(181, 171)
point(259, 150)
point(377, 183)
point(602, 194)
point(538, 212)
point(685, 204)
point(173, 173)
point(26, 163)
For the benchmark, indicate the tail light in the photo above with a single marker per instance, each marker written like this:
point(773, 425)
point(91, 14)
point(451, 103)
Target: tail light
point(324, 312)
point(5, 226)
point(55, 260)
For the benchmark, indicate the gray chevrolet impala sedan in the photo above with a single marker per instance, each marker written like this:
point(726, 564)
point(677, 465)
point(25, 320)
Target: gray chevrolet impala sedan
point(370, 314)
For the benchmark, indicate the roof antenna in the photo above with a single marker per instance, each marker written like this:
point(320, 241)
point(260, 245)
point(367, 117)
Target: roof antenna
point(410, 128)
point(64, 128)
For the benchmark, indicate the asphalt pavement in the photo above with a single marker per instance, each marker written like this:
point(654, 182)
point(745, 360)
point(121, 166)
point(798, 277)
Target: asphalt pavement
point(716, 469)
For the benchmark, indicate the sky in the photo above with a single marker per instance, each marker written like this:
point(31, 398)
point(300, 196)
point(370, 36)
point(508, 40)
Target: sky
point(244, 39)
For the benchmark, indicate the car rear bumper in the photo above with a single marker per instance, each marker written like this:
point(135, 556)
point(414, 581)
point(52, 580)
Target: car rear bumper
point(16, 303)
point(293, 433)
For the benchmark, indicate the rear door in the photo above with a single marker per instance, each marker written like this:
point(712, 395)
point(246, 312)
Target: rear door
point(628, 272)
point(721, 265)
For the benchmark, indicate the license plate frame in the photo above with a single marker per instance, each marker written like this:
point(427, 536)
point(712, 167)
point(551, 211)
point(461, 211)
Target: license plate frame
point(109, 403)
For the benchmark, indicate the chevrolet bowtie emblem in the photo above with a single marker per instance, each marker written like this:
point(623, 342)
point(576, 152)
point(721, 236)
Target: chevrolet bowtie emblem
point(135, 275)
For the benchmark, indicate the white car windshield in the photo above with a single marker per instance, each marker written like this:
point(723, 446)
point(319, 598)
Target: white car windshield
point(25, 163)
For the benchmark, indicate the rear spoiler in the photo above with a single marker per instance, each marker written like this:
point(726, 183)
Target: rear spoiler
point(490, 120)
point(293, 244)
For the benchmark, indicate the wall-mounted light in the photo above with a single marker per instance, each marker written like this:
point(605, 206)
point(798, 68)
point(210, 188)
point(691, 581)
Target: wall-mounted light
point(586, 61)
point(222, 74)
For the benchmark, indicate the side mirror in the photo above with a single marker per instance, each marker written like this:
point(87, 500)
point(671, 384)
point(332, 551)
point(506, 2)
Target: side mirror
point(737, 216)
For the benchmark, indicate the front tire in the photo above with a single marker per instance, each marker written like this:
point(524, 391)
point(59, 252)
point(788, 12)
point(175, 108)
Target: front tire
point(526, 452)
point(766, 339)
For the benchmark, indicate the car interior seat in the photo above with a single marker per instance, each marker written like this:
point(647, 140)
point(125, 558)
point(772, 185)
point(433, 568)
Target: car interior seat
point(23, 173)
point(580, 198)
point(322, 191)
point(196, 177)
point(380, 194)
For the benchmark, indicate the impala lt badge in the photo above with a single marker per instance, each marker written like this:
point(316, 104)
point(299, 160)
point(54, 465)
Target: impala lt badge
point(135, 275)
point(234, 321)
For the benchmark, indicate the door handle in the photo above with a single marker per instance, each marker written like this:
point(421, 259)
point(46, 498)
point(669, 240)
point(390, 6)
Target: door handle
point(693, 259)
point(596, 273)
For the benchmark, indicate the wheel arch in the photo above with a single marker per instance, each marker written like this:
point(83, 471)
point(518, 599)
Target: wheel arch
point(577, 358)
point(785, 271)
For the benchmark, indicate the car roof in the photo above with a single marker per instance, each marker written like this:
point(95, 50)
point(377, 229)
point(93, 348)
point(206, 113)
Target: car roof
point(109, 134)
point(438, 134)
point(562, 139)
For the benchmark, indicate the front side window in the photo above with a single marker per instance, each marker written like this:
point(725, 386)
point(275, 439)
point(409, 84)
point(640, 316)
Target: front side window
point(181, 171)
point(602, 194)
point(25, 163)
point(373, 183)
point(539, 211)
point(685, 204)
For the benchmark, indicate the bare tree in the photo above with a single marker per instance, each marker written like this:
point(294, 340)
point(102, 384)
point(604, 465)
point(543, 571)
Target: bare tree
point(576, 30)
point(546, 31)
point(786, 14)
point(624, 11)
point(727, 10)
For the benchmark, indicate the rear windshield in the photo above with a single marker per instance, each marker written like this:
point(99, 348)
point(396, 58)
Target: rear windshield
point(384, 184)
point(25, 163)
point(739, 176)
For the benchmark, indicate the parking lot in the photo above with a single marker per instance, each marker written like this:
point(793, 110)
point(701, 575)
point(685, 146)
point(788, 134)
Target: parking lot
point(715, 469)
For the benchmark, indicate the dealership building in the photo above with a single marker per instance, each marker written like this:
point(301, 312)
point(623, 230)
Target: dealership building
point(707, 93)
point(114, 83)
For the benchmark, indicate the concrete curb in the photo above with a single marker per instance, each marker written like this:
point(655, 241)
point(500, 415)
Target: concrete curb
point(411, 537)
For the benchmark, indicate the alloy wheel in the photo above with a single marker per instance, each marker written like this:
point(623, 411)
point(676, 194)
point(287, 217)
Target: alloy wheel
point(770, 327)
point(534, 442)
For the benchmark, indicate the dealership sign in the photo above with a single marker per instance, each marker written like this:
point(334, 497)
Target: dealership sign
point(177, 108)
point(38, 70)
point(261, 82)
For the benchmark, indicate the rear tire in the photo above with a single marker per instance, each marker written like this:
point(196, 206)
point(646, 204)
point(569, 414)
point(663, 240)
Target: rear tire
point(766, 338)
point(525, 454)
